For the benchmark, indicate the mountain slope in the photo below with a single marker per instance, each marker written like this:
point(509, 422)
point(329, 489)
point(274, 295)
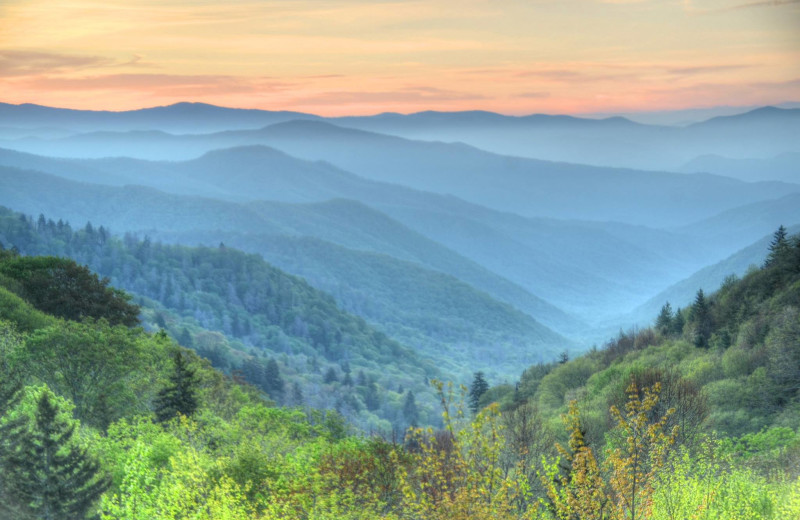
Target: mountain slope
point(709, 278)
point(544, 257)
point(525, 186)
point(395, 310)
point(784, 167)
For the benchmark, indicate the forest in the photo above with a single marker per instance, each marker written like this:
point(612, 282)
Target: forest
point(112, 407)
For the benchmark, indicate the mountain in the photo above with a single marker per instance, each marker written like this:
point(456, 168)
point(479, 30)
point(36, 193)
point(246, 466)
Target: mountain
point(346, 223)
point(441, 317)
point(784, 167)
point(709, 278)
point(259, 309)
point(540, 256)
point(612, 141)
point(739, 227)
point(177, 118)
point(137, 208)
point(525, 186)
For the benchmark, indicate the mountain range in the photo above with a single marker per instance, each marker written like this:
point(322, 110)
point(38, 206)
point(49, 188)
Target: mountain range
point(448, 247)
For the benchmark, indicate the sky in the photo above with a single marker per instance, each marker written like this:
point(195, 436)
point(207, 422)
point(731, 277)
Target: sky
point(370, 56)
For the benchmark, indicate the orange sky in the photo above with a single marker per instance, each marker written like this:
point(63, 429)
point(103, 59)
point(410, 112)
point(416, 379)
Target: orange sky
point(368, 56)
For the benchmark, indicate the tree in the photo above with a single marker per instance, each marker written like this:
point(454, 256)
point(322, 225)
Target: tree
point(60, 287)
point(47, 475)
point(410, 411)
point(700, 317)
point(87, 362)
point(273, 382)
point(179, 397)
point(678, 322)
point(371, 398)
point(664, 320)
point(476, 390)
point(330, 376)
point(778, 249)
point(347, 381)
point(578, 487)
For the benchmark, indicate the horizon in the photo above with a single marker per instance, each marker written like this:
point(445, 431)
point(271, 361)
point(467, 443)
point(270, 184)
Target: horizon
point(712, 111)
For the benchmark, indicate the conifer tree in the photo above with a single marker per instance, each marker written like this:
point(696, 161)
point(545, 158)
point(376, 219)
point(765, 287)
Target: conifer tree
point(330, 376)
point(678, 322)
point(371, 398)
point(476, 390)
point(664, 320)
point(46, 476)
point(410, 410)
point(700, 316)
point(347, 381)
point(179, 397)
point(273, 382)
point(778, 248)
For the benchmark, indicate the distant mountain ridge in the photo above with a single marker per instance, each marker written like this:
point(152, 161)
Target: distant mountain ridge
point(529, 187)
point(612, 141)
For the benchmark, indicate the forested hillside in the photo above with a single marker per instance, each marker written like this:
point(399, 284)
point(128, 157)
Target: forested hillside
point(244, 315)
point(695, 416)
point(729, 365)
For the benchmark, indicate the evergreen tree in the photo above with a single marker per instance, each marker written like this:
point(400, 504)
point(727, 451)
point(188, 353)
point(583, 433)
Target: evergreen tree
point(476, 390)
point(330, 376)
point(678, 322)
point(778, 249)
point(180, 396)
point(273, 382)
point(410, 411)
point(371, 398)
point(664, 320)
point(297, 394)
point(46, 476)
point(347, 381)
point(700, 317)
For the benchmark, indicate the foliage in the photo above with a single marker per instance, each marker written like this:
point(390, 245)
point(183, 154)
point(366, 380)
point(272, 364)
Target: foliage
point(240, 312)
point(62, 288)
point(180, 396)
point(46, 475)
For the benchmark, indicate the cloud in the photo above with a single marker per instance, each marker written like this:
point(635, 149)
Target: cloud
point(764, 3)
point(161, 84)
point(689, 6)
point(21, 63)
point(28, 63)
point(703, 69)
point(408, 95)
point(533, 95)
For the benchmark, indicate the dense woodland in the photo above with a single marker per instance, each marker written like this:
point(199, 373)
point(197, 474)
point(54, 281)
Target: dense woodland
point(251, 320)
point(696, 417)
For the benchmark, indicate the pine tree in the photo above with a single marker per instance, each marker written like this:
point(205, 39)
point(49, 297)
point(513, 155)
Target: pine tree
point(476, 390)
point(778, 248)
point(297, 394)
point(371, 399)
point(700, 316)
point(678, 322)
point(46, 475)
point(410, 410)
point(273, 382)
point(330, 376)
point(180, 396)
point(664, 320)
